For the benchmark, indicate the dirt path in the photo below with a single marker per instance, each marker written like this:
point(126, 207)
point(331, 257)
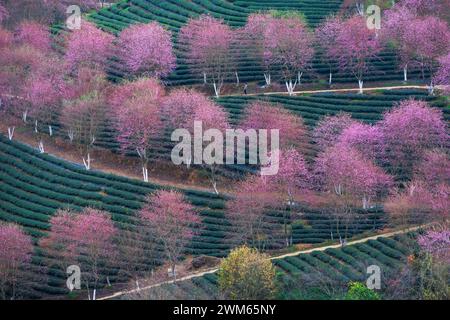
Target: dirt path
point(334, 90)
point(296, 253)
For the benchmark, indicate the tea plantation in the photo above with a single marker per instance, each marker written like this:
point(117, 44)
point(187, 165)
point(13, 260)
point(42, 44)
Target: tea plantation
point(33, 186)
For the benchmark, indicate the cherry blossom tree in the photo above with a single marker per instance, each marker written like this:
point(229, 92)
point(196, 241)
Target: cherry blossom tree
point(326, 35)
point(425, 7)
point(289, 44)
point(442, 76)
point(426, 197)
point(431, 36)
point(85, 111)
point(437, 243)
point(4, 14)
point(279, 41)
point(248, 212)
point(180, 106)
point(33, 34)
point(212, 117)
point(183, 109)
point(208, 42)
point(146, 50)
point(18, 63)
point(253, 39)
point(328, 130)
point(15, 255)
point(86, 238)
point(408, 130)
point(264, 115)
point(349, 178)
point(171, 218)
point(137, 112)
point(395, 31)
point(44, 91)
point(88, 46)
point(356, 45)
point(365, 138)
point(292, 179)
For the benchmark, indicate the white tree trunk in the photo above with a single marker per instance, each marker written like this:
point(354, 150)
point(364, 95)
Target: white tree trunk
point(299, 77)
point(145, 173)
point(214, 183)
point(330, 78)
point(50, 131)
point(365, 202)
point(137, 285)
point(11, 132)
point(41, 147)
point(87, 162)
point(204, 78)
point(405, 74)
point(290, 87)
point(93, 294)
point(216, 89)
point(237, 77)
point(71, 134)
point(36, 126)
point(24, 116)
point(267, 77)
point(360, 84)
point(431, 88)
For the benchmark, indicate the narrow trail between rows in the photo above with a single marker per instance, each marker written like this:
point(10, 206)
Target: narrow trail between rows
point(424, 87)
point(291, 254)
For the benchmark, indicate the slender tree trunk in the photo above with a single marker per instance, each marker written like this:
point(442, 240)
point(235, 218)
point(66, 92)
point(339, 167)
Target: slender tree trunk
point(41, 146)
point(405, 73)
point(216, 89)
point(70, 134)
point(87, 162)
point(11, 132)
point(24, 116)
point(330, 78)
point(204, 78)
point(237, 78)
point(267, 77)
point(360, 84)
point(50, 130)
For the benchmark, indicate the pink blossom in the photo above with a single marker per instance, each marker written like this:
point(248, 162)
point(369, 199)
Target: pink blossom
point(208, 42)
point(146, 49)
point(33, 34)
point(409, 130)
point(346, 172)
point(88, 46)
point(180, 105)
point(367, 139)
point(4, 14)
point(264, 115)
point(437, 243)
point(171, 219)
point(356, 45)
point(442, 76)
point(328, 130)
